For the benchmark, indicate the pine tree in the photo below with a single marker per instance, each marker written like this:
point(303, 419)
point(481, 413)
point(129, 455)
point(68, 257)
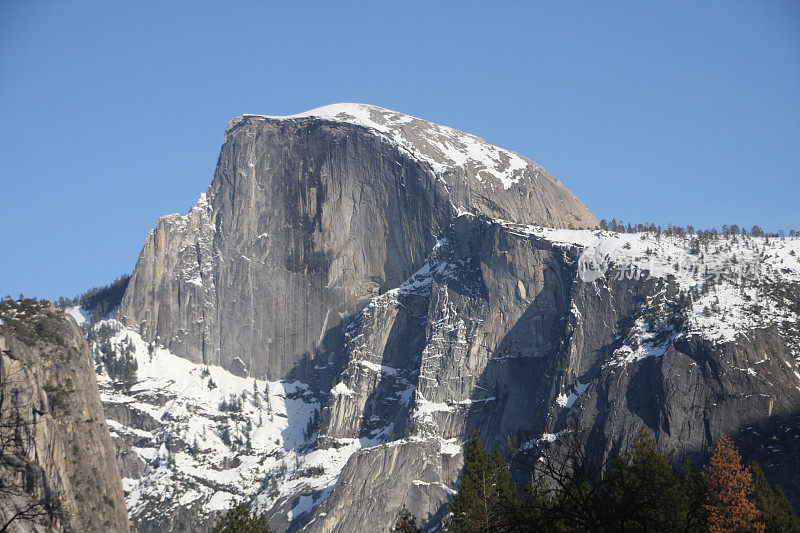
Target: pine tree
point(240, 519)
point(256, 395)
point(729, 489)
point(406, 522)
point(535, 508)
point(641, 491)
point(507, 497)
point(486, 497)
point(775, 509)
point(693, 495)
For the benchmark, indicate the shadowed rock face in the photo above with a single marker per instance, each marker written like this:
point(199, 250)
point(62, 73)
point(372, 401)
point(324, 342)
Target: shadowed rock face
point(498, 333)
point(365, 252)
point(309, 217)
point(415, 472)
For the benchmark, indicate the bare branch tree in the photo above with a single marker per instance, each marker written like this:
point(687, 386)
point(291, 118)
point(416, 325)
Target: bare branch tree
point(567, 477)
point(21, 496)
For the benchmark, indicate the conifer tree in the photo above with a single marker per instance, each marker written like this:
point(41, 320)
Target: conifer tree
point(507, 497)
point(693, 494)
point(406, 522)
point(535, 508)
point(775, 509)
point(240, 519)
point(641, 490)
point(729, 489)
point(486, 497)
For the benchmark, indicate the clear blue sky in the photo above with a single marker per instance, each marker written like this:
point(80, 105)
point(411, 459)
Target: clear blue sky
point(112, 113)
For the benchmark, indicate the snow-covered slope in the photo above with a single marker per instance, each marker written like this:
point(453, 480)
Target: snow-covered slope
point(327, 207)
point(728, 277)
point(202, 437)
point(80, 315)
point(516, 330)
point(432, 356)
point(440, 146)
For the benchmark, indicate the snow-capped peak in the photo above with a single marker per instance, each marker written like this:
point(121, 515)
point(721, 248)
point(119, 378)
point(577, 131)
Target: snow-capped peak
point(442, 147)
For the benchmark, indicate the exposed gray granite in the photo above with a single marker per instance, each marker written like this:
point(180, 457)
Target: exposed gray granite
point(59, 449)
point(305, 220)
point(349, 257)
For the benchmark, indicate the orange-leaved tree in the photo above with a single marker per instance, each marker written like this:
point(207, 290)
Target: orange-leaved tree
point(729, 491)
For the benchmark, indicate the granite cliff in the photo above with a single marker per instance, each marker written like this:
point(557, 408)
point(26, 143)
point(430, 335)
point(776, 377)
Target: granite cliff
point(310, 216)
point(57, 461)
point(365, 287)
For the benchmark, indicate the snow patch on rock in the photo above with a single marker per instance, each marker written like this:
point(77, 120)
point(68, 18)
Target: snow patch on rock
point(441, 147)
point(217, 436)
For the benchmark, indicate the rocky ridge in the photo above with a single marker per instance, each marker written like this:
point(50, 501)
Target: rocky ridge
point(390, 285)
point(497, 331)
point(329, 209)
point(56, 456)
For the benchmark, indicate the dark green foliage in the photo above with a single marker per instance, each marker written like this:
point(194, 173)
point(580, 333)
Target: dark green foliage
point(727, 230)
point(641, 491)
point(225, 435)
point(776, 512)
point(57, 397)
point(32, 321)
point(240, 519)
point(636, 491)
point(123, 367)
point(693, 497)
point(118, 360)
point(486, 497)
point(232, 406)
point(310, 471)
point(99, 301)
point(406, 522)
point(536, 507)
point(313, 425)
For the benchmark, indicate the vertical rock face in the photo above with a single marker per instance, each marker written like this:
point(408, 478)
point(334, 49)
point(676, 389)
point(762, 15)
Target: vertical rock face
point(307, 218)
point(418, 283)
point(498, 332)
point(432, 340)
point(57, 455)
point(415, 472)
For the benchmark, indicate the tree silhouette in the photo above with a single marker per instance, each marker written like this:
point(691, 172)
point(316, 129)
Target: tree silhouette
point(776, 510)
point(486, 497)
point(240, 519)
point(20, 502)
point(406, 522)
point(641, 490)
